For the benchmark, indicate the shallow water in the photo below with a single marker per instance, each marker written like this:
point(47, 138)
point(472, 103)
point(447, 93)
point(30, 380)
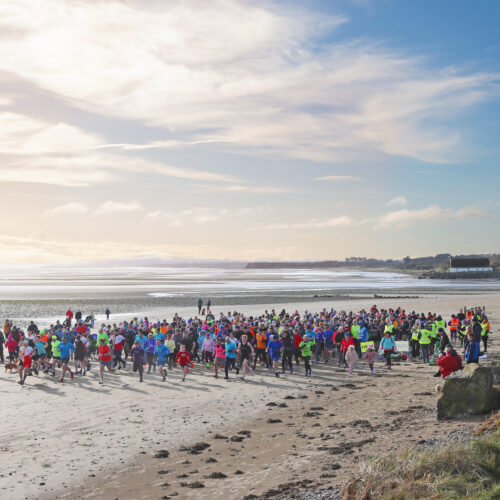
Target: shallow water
point(44, 293)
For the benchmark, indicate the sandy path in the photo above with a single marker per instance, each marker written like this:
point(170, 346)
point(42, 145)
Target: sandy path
point(104, 437)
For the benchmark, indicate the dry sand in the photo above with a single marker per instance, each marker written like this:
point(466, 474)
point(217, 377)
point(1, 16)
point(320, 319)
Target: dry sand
point(82, 440)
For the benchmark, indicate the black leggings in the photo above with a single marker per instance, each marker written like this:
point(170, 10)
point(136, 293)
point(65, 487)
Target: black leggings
point(387, 356)
point(287, 359)
point(139, 367)
point(229, 362)
point(306, 362)
point(263, 356)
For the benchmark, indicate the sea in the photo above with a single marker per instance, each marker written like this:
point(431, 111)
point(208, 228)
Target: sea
point(44, 293)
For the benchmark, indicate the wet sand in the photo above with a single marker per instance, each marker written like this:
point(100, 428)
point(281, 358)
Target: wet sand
point(80, 440)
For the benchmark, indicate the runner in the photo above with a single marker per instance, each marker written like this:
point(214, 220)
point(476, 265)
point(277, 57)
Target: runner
point(246, 352)
point(137, 354)
point(306, 348)
point(183, 359)
point(161, 352)
point(274, 349)
point(104, 359)
point(65, 350)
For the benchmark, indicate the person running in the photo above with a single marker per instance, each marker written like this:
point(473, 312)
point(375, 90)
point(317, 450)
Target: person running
point(370, 356)
point(56, 356)
point(344, 346)
point(161, 353)
point(40, 347)
point(245, 351)
point(65, 350)
point(274, 349)
point(118, 341)
point(306, 349)
point(137, 354)
point(288, 348)
point(11, 345)
point(104, 359)
point(183, 359)
point(79, 356)
point(25, 361)
point(230, 361)
point(351, 358)
point(207, 349)
point(261, 345)
point(388, 344)
point(220, 356)
point(149, 348)
point(170, 343)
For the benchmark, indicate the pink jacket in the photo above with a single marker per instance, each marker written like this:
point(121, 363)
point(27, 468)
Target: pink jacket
point(370, 356)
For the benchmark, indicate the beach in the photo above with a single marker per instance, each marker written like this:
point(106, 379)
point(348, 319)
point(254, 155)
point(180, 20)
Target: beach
point(82, 440)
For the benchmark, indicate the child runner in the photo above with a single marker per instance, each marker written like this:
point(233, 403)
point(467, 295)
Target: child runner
point(183, 359)
point(161, 353)
point(388, 345)
point(351, 357)
point(370, 356)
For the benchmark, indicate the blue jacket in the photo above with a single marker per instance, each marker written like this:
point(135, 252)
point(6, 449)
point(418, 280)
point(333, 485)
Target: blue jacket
point(363, 334)
point(472, 351)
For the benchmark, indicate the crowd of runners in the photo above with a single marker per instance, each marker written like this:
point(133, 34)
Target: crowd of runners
point(236, 344)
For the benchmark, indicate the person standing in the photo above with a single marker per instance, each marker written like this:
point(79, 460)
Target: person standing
point(69, 316)
point(200, 305)
point(472, 350)
point(2, 342)
point(107, 312)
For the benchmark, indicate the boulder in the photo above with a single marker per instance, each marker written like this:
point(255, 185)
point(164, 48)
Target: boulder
point(471, 393)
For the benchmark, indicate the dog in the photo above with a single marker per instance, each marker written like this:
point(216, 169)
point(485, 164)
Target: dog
point(10, 366)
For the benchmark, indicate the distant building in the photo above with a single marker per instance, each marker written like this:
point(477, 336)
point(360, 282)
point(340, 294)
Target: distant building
point(464, 265)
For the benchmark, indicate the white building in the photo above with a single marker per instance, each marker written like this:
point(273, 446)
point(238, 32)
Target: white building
point(464, 265)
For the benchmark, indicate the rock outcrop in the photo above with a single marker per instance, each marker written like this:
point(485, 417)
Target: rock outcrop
point(472, 393)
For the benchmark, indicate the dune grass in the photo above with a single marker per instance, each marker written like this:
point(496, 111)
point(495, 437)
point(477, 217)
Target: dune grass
point(450, 471)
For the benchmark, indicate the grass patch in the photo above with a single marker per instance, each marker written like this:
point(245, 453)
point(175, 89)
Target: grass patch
point(448, 472)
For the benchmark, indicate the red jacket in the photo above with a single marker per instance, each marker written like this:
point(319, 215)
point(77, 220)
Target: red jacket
point(449, 364)
point(344, 345)
point(297, 340)
point(183, 358)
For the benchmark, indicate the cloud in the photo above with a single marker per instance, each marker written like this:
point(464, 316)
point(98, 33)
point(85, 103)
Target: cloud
point(242, 188)
point(342, 221)
point(338, 178)
point(37, 151)
point(399, 200)
point(403, 218)
point(71, 208)
point(201, 215)
point(241, 76)
point(112, 207)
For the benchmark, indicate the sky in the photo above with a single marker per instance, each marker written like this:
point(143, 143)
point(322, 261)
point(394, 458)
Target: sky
point(248, 130)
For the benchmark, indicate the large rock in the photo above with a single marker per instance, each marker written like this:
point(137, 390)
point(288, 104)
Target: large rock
point(470, 394)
